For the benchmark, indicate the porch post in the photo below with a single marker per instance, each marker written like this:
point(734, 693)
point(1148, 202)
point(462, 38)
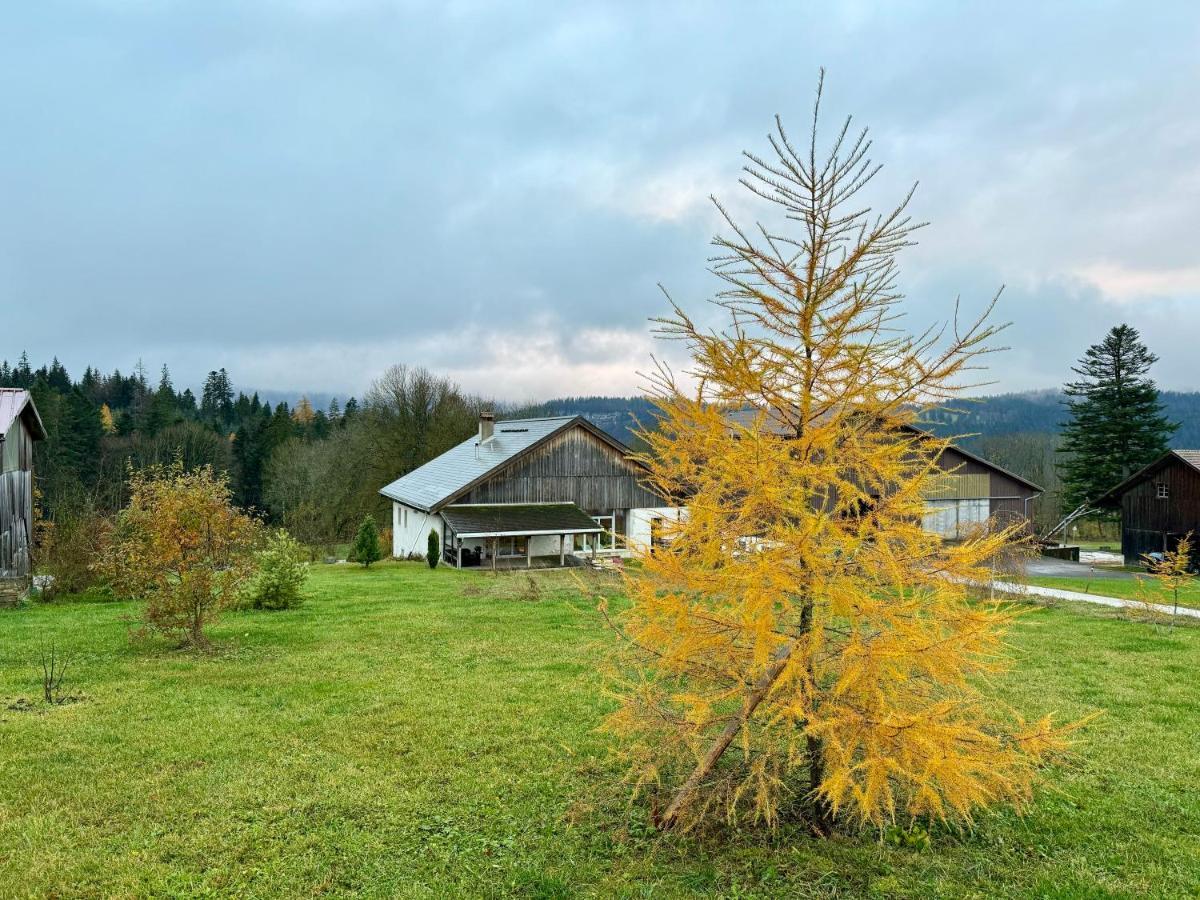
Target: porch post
point(528, 552)
point(562, 550)
point(595, 545)
point(458, 565)
point(495, 550)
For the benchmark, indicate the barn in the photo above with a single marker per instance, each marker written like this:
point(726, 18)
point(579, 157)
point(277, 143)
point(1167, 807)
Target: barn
point(1158, 505)
point(971, 491)
point(20, 426)
point(968, 492)
point(527, 490)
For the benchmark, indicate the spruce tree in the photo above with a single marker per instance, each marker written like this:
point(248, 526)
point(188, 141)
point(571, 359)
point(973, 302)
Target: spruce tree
point(1117, 424)
point(366, 543)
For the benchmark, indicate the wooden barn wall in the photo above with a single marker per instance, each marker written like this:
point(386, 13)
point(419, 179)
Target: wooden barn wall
point(1142, 510)
point(16, 503)
point(1001, 485)
point(575, 467)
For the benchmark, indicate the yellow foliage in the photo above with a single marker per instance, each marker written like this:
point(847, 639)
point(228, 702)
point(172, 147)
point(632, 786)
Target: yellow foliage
point(182, 547)
point(798, 614)
point(106, 420)
point(1170, 573)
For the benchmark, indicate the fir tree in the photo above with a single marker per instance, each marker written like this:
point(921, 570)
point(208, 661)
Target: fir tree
point(366, 543)
point(1117, 424)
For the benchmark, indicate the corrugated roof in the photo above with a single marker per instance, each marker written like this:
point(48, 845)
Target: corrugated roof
point(17, 402)
point(518, 518)
point(437, 481)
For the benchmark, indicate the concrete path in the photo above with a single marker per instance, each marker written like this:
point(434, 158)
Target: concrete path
point(1118, 602)
point(1064, 568)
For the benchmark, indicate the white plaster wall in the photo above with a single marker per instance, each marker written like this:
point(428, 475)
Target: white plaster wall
point(413, 537)
point(638, 524)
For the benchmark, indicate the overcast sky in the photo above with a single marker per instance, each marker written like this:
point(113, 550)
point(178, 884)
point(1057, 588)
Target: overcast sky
point(306, 191)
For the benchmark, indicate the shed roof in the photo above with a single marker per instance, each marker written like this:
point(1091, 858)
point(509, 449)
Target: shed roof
point(518, 519)
point(17, 402)
point(444, 478)
point(1113, 495)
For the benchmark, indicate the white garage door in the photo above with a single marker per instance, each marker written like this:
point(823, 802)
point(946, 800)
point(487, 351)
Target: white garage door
point(954, 518)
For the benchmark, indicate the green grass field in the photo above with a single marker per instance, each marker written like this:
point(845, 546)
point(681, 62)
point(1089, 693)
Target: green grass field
point(1123, 588)
point(417, 733)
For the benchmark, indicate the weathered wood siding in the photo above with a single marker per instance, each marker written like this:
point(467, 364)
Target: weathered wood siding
point(1148, 523)
point(576, 467)
point(16, 502)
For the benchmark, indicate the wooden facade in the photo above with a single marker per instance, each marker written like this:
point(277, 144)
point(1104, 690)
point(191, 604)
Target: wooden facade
point(1158, 505)
point(21, 427)
point(974, 492)
point(574, 466)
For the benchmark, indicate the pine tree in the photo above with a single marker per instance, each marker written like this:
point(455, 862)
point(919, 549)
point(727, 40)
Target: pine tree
point(1117, 424)
point(366, 548)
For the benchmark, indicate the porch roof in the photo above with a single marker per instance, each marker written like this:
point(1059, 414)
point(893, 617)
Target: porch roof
point(518, 519)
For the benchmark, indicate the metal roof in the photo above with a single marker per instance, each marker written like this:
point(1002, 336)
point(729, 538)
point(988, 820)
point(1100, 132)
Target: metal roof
point(16, 402)
point(441, 479)
point(501, 519)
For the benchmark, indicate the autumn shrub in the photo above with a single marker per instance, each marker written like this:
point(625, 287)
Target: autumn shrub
point(282, 571)
point(71, 546)
point(181, 547)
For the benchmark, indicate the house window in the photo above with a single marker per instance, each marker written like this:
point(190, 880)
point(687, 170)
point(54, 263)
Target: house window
point(511, 546)
point(1162, 491)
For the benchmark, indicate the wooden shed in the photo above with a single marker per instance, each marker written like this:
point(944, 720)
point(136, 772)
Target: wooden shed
point(20, 426)
point(1158, 505)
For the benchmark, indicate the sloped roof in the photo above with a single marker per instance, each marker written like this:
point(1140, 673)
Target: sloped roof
point(1113, 494)
point(517, 518)
point(460, 468)
point(776, 424)
point(16, 402)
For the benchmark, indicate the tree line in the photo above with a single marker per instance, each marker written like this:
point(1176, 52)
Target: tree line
point(314, 471)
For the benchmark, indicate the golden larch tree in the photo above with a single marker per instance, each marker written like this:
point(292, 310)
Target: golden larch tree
point(107, 424)
point(303, 414)
point(799, 640)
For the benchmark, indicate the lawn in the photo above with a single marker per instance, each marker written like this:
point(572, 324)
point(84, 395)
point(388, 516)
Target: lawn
point(417, 733)
point(1125, 588)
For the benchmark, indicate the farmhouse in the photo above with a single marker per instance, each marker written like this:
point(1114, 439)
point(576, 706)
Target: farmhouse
point(554, 488)
point(527, 489)
point(1158, 505)
point(20, 426)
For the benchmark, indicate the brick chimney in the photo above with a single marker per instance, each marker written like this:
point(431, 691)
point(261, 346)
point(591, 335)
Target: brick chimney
point(487, 426)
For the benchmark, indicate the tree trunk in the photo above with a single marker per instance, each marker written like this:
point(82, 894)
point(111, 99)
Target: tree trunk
point(705, 766)
point(822, 816)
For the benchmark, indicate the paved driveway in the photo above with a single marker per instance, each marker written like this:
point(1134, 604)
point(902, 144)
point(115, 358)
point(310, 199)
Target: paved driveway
point(1062, 568)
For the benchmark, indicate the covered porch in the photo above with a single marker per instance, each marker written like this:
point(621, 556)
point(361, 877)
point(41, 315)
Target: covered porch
point(517, 535)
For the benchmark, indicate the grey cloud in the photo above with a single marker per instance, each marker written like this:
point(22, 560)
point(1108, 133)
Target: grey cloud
point(270, 185)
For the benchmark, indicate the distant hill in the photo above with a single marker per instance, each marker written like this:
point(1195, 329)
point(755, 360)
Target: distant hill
point(619, 416)
point(1043, 412)
point(1033, 412)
